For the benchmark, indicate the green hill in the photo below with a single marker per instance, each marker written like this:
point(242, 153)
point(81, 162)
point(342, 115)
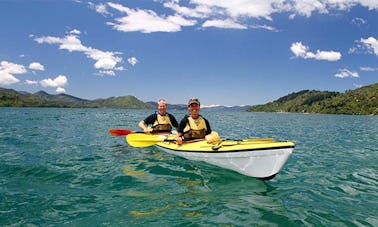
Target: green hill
point(12, 98)
point(361, 101)
point(129, 102)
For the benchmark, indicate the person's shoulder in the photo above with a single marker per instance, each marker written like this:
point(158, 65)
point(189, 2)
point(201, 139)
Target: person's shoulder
point(153, 115)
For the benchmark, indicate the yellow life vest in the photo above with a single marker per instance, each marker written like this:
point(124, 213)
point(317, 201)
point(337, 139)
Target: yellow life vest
point(195, 129)
point(162, 123)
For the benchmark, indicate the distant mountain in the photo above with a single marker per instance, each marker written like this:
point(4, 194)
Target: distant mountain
point(128, 102)
point(226, 108)
point(361, 101)
point(10, 97)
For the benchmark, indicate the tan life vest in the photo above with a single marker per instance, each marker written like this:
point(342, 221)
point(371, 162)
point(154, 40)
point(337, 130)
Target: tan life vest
point(195, 129)
point(162, 123)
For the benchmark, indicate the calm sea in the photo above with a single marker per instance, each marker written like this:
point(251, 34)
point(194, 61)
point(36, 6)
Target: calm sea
point(61, 167)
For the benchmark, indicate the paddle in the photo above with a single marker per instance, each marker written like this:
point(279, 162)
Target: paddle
point(227, 143)
point(145, 140)
point(120, 132)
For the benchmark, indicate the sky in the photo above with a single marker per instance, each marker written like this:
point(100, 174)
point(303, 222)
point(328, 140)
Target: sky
point(239, 52)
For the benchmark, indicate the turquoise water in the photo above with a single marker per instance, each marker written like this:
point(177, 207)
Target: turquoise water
point(61, 167)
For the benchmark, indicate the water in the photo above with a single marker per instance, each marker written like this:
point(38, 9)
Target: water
point(61, 167)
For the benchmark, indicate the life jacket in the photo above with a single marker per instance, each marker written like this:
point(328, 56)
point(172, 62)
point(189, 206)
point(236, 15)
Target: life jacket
point(195, 128)
point(162, 123)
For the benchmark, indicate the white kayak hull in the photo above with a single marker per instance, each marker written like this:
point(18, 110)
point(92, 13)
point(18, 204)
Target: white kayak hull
point(263, 160)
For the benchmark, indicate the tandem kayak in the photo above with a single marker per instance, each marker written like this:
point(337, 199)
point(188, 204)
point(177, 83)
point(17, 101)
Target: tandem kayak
point(255, 157)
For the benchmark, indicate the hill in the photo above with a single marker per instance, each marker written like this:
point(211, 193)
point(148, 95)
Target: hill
point(361, 101)
point(10, 97)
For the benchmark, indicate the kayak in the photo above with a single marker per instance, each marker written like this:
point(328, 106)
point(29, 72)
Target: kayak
point(255, 157)
point(259, 158)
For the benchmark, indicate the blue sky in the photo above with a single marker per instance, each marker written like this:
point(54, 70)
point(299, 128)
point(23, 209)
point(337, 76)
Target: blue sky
point(236, 52)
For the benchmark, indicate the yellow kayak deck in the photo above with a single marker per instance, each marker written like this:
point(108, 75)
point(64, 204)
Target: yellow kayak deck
point(227, 145)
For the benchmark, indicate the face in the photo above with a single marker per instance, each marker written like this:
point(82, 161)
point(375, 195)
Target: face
point(162, 107)
point(194, 109)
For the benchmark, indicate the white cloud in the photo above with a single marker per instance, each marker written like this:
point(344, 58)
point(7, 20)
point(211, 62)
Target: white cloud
point(133, 61)
point(7, 72)
point(60, 90)
point(299, 49)
point(358, 21)
point(224, 24)
point(199, 11)
point(368, 69)
point(59, 81)
point(215, 13)
point(100, 8)
point(303, 51)
point(371, 45)
point(74, 32)
point(105, 60)
point(36, 66)
point(147, 21)
point(31, 82)
point(345, 73)
point(107, 72)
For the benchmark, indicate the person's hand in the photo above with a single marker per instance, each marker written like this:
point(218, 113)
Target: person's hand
point(147, 130)
point(178, 140)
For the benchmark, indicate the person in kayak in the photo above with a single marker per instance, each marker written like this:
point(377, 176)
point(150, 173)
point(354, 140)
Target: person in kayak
point(161, 121)
point(193, 126)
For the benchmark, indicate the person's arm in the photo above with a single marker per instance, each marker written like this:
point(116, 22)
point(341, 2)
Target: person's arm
point(180, 131)
point(144, 123)
point(208, 131)
point(143, 126)
point(173, 121)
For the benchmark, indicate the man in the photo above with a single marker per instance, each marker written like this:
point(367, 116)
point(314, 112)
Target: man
point(193, 126)
point(161, 121)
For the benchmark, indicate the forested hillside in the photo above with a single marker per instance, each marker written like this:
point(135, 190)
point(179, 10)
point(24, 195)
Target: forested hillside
point(362, 101)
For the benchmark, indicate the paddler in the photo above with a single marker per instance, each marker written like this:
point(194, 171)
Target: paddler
point(193, 126)
point(161, 121)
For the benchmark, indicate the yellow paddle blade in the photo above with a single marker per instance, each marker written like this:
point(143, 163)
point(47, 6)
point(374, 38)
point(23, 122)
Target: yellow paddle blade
point(143, 140)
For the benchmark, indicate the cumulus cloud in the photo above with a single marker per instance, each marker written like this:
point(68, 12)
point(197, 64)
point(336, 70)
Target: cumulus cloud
point(8, 70)
point(147, 21)
point(59, 81)
point(36, 66)
point(60, 90)
point(302, 51)
point(214, 13)
point(105, 60)
point(345, 73)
